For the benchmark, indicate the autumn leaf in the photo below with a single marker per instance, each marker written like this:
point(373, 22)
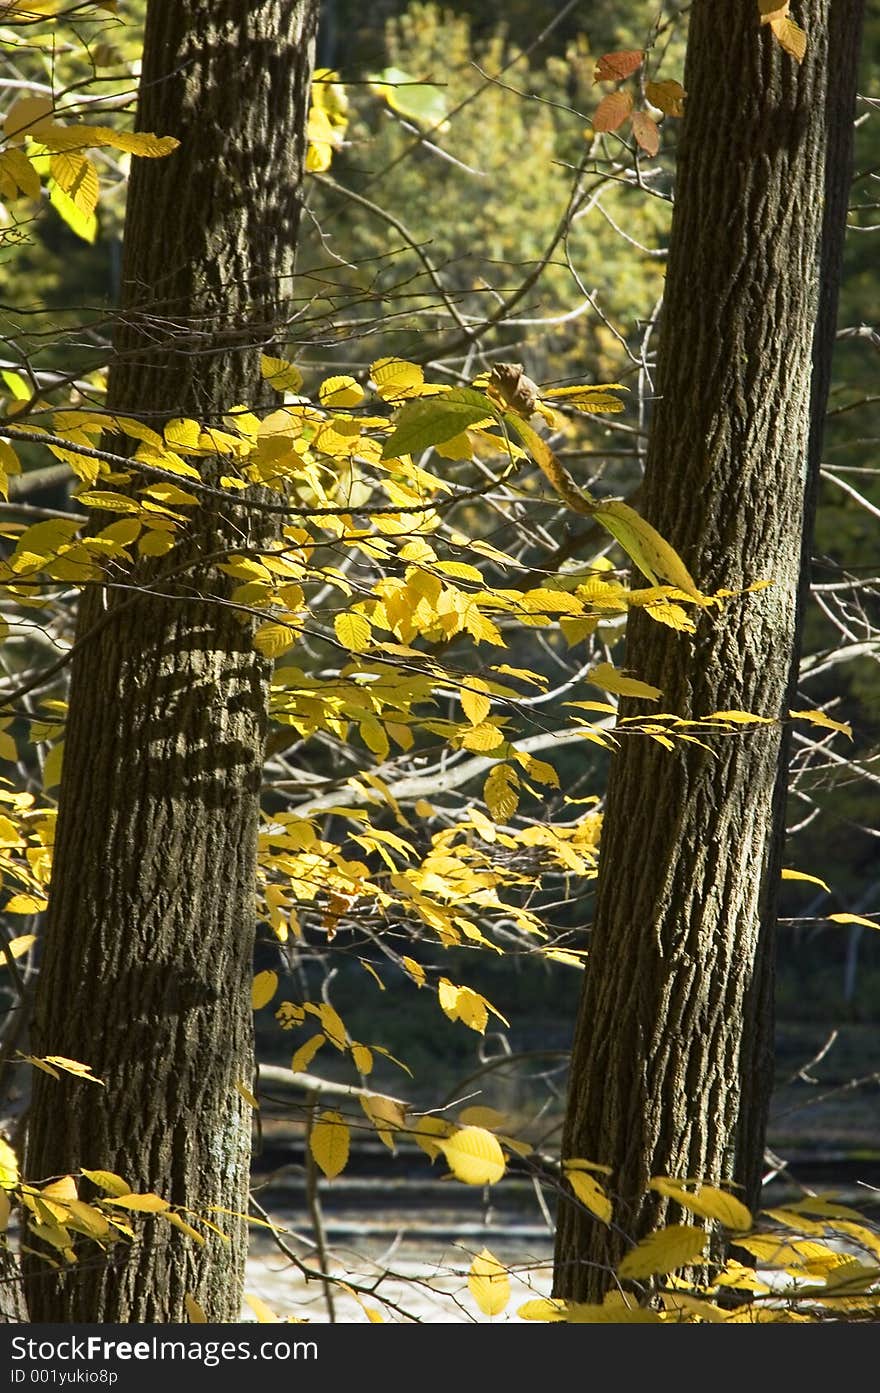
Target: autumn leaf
point(329, 1143)
point(612, 111)
point(646, 132)
point(489, 1283)
point(615, 67)
point(473, 1155)
point(664, 1251)
point(668, 96)
point(790, 36)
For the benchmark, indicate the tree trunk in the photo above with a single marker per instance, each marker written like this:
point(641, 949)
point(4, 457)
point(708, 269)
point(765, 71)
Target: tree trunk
point(147, 962)
point(673, 1049)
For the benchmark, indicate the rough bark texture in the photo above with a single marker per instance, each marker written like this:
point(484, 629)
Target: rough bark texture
point(672, 1057)
point(147, 964)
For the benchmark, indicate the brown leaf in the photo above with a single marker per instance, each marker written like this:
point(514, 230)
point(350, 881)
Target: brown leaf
point(614, 67)
point(668, 96)
point(612, 111)
point(646, 132)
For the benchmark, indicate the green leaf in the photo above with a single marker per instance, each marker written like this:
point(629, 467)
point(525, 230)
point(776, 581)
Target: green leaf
point(428, 421)
point(643, 544)
point(421, 102)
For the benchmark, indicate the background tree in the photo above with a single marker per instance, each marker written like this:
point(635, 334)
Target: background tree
point(672, 1060)
point(148, 950)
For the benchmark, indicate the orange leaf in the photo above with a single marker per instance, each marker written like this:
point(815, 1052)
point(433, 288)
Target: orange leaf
point(614, 67)
point(612, 111)
point(646, 132)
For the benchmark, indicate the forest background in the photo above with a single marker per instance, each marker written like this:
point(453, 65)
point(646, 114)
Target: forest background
point(478, 183)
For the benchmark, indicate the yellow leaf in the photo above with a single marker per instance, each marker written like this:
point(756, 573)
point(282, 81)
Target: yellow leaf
point(415, 970)
point(802, 875)
point(85, 1219)
point(549, 1308)
point(353, 632)
point(306, 1053)
point(77, 176)
point(500, 793)
point(329, 1143)
point(340, 391)
point(425, 1131)
point(180, 1223)
point(612, 679)
point(474, 1156)
point(52, 765)
point(141, 1204)
point(664, 1251)
point(280, 374)
point(63, 1189)
point(708, 1201)
point(108, 1181)
point(5, 1211)
point(363, 1058)
point(818, 718)
point(246, 1094)
point(155, 544)
point(482, 737)
point(17, 173)
point(475, 705)
point(396, 379)
point(489, 1118)
point(386, 1115)
point(373, 735)
point(583, 1313)
point(84, 225)
point(489, 1283)
point(740, 718)
point(27, 116)
point(589, 399)
point(194, 1310)
point(264, 987)
point(273, 639)
point(447, 995)
point(8, 1164)
point(853, 919)
point(790, 36)
point(471, 1009)
point(264, 1314)
point(25, 904)
point(654, 557)
point(590, 1193)
point(16, 946)
point(82, 137)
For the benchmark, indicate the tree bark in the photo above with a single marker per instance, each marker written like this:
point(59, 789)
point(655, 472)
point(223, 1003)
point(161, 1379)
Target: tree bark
point(147, 962)
point(673, 1048)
